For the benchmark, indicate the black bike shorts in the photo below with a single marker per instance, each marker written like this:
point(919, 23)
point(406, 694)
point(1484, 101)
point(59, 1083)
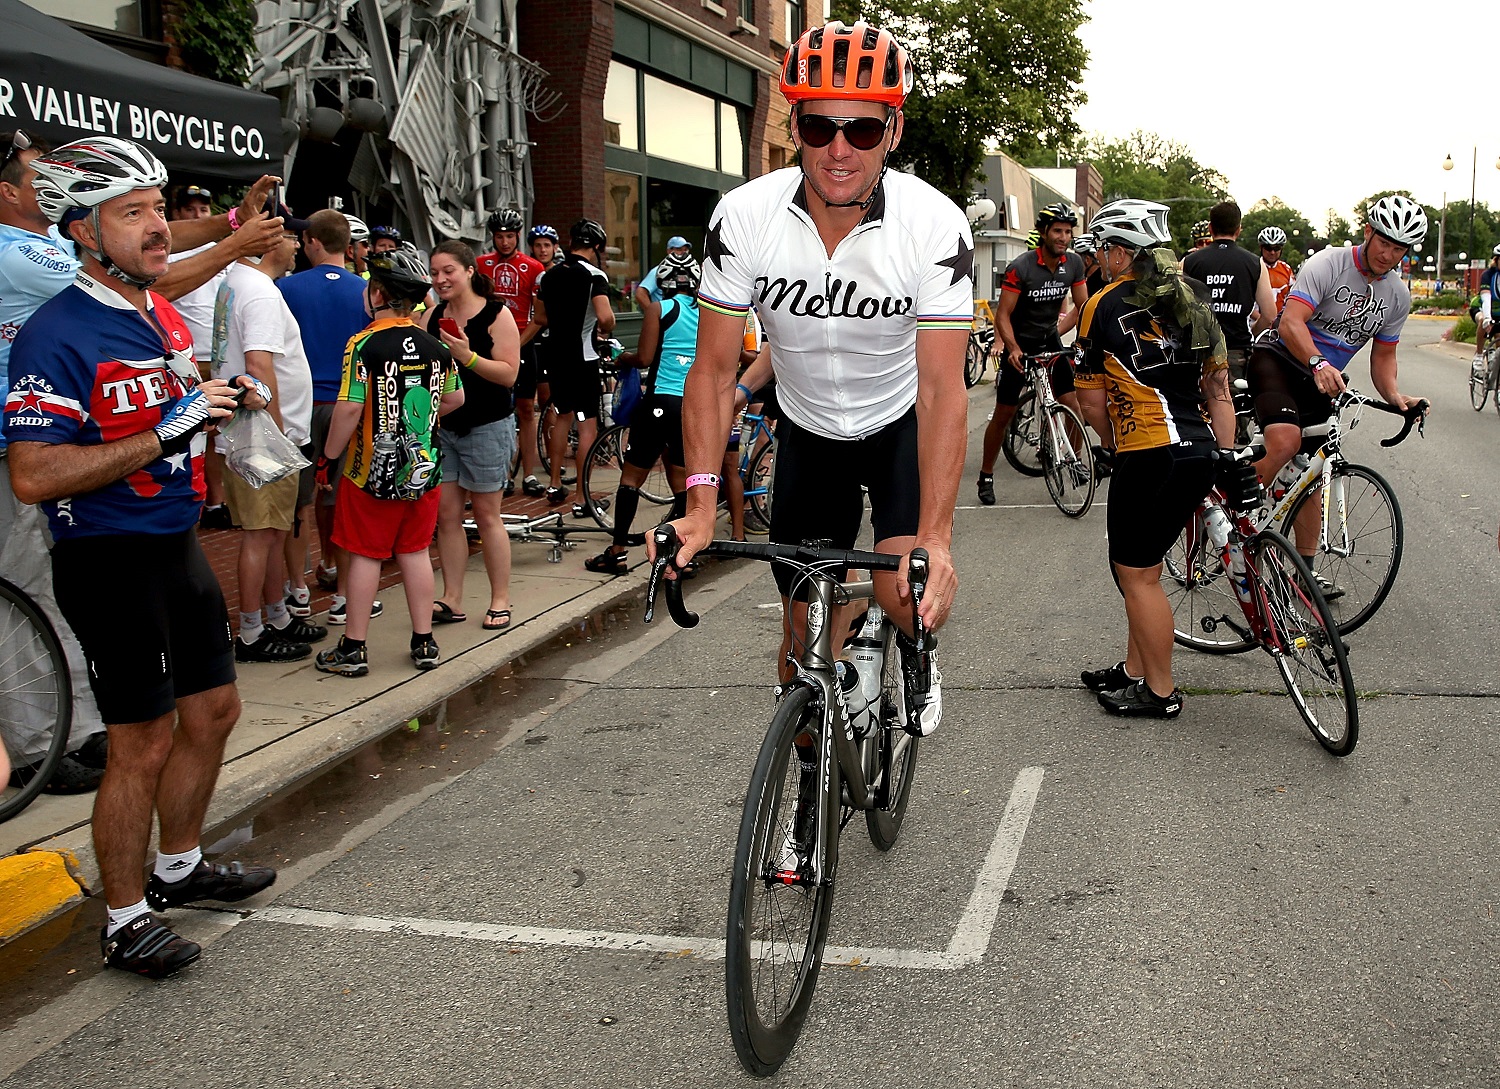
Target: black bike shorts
point(576, 388)
point(1152, 494)
point(817, 491)
point(655, 431)
point(1285, 392)
point(150, 616)
point(1009, 382)
point(526, 376)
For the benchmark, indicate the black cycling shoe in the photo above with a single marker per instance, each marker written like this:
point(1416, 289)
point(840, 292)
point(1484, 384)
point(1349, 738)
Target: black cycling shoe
point(1107, 680)
point(987, 489)
point(1138, 701)
point(147, 947)
point(210, 881)
point(557, 496)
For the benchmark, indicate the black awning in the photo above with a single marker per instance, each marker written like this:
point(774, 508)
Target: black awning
point(61, 84)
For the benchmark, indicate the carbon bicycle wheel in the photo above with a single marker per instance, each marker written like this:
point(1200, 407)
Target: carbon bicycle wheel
point(974, 361)
point(1068, 461)
point(36, 699)
point(759, 480)
point(1023, 437)
point(778, 916)
point(1356, 578)
point(1201, 594)
point(890, 752)
point(1304, 641)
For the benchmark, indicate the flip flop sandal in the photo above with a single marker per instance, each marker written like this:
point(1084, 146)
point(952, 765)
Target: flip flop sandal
point(502, 615)
point(442, 613)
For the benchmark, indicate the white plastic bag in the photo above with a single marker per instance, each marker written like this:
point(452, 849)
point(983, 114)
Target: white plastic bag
point(256, 448)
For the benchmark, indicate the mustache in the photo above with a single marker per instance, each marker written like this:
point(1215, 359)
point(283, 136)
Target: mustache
point(157, 238)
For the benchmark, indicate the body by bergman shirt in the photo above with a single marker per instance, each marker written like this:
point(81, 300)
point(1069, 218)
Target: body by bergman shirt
point(1232, 274)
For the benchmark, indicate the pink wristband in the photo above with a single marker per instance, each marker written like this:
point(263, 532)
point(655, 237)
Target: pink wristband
point(703, 478)
point(234, 220)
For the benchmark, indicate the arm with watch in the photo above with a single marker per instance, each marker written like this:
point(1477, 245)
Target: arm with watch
point(1329, 380)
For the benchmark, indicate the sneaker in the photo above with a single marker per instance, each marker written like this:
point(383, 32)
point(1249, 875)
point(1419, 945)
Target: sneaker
point(1332, 591)
point(343, 660)
point(557, 496)
point(426, 655)
point(533, 487)
point(147, 947)
point(302, 631)
point(210, 881)
point(1107, 680)
point(1138, 701)
point(338, 612)
point(270, 646)
point(71, 776)
point(326, 577)
point(299, 601)
point(1476, 368)
point(987, 490)
point(217, 517)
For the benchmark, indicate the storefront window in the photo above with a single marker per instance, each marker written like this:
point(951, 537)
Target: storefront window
point(622, 224)
point(107, 14)
point(621, 126)
point(680, 124)
point(731, 141)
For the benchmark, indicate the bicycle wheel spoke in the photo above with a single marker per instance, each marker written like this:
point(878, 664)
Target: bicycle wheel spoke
point(1362, 571)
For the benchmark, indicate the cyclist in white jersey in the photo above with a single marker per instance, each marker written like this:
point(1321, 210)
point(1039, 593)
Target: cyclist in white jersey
point(861, 279)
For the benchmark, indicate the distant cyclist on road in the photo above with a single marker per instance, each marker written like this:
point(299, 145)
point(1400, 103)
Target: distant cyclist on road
point(861, 279)
point(1485, 308)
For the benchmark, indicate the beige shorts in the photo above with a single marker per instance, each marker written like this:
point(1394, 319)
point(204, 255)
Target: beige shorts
point(271, 507)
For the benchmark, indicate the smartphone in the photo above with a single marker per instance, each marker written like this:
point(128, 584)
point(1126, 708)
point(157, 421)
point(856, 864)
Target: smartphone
point(273, 202)
point(450, 327)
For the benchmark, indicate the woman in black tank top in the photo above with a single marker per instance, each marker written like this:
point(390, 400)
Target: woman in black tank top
point(477, 442)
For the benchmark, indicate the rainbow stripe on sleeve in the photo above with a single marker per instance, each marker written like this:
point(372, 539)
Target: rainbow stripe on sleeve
point(945, 321)
point(718, 306)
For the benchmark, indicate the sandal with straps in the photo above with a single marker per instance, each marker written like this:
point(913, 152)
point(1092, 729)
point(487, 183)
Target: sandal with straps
point(608, 563)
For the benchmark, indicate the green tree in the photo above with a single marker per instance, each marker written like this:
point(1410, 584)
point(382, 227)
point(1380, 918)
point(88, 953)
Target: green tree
point(988, 72)
point(1275, 212)
point(215, 37)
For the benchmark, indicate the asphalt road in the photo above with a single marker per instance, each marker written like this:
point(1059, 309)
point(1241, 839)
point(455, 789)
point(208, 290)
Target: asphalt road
point(1210, 902)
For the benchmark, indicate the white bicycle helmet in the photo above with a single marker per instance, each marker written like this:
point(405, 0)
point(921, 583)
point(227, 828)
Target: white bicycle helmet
point(1272, 237)
point(1136, 223)
point(1496, 251)
point(1399, 219)
point(1084, 245)
point(358, 231)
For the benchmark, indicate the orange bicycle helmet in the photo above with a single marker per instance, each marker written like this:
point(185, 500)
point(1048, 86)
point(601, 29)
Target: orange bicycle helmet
point(818, 66)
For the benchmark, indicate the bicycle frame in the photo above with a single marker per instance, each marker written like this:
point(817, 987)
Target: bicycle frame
point(1039, 374)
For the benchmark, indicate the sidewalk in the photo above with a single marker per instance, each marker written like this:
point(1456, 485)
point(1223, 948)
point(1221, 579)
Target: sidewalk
point(297, 721)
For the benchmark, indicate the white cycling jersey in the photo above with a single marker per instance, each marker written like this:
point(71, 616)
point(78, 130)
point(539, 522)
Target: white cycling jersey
point(842, 329)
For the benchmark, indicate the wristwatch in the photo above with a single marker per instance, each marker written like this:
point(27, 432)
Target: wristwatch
point(1316, 363)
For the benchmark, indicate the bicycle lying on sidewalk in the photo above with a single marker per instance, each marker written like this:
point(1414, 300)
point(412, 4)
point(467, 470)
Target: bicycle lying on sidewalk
point(862, 737)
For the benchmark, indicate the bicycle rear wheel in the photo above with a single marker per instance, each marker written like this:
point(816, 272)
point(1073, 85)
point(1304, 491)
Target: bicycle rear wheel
point(1068, 461)
point(36, 699)
point(778, 918)
point(1363, 577)
point(1479, 389)
point(759, 480)
point(601, 480)
point(1023, 437)
point(1304, 641)
point(1201, 594)
point(891, 753)
point(974, 360)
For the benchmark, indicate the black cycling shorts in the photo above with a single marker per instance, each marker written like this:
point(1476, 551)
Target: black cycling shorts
point(770, 408)
point(576, 388)
point(1152, 494)
point(1009, 382)
point(816, 495)
point(655, 431)
point(1285, 392)
point(150, 616)
point(526, 376)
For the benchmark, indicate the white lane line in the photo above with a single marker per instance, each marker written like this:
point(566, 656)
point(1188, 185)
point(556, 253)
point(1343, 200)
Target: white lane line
point(1019, 506)
point(972, 936)
point(970, 940)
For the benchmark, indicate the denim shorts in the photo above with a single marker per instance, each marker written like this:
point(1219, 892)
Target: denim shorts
point(479, 461)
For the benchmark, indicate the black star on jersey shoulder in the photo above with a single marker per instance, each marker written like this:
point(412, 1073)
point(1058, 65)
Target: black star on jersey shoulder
point(714, 249)
point(962, 261)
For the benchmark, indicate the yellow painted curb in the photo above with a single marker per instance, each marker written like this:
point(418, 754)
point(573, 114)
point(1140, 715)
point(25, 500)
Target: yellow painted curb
point(33, 887)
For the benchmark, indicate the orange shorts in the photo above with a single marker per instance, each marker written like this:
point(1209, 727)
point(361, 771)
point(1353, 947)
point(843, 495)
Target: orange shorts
point(382, 528)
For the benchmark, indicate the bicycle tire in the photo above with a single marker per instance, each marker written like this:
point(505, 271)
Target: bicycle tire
point(1303, 639)
point(974, 361)
point(600, 479)
point(35, 684)
point(1070, 481)
point(760, 479)
point(1200, 593)
point(890, 753)
point(1023, 439)
point(760, 906)
point(1493, 379)
point(1479, 389)
point(1377, 539)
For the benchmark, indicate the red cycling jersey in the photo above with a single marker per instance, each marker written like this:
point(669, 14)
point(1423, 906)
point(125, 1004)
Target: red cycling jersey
point(515, 282)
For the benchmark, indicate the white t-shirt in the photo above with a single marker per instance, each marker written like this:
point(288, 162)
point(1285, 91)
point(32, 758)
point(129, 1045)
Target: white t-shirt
point(197, 306)
point(843, 329)
point(251, 316)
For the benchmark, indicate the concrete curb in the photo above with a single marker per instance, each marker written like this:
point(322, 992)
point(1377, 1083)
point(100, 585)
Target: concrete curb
point(34, 887)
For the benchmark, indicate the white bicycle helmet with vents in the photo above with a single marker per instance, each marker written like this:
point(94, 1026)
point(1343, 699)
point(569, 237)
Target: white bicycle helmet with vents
point(358, 231)
point(1399, 219)
point(1272, 237)
point(1137, 223)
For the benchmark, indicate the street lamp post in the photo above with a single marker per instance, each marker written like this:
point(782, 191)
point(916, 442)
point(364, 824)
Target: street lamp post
point(1473, 190)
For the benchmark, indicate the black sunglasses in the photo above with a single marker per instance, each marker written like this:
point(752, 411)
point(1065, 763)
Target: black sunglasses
point(863, 133)
point(19, 142)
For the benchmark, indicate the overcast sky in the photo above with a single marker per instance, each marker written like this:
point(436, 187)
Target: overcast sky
point(1314, 101)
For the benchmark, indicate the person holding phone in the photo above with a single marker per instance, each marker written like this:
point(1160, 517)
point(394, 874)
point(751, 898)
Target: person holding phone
point(478, 440)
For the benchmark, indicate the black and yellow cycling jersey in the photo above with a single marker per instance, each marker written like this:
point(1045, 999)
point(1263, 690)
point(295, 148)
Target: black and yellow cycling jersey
point(1152, 384)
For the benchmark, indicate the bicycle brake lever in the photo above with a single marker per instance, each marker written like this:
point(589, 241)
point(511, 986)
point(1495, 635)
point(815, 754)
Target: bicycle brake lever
point(666, 549)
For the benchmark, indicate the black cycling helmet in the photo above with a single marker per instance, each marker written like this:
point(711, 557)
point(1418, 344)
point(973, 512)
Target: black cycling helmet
point(402, 276)
point(1202, 232)
point(383, 231)
point(506, 219)
point(1055, 213)
point(587, 234)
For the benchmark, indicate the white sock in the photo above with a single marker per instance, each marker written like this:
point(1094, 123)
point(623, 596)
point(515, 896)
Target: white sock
point(250, 626)
point(118, 917)
point(173, 868)
point(338, 601)
point(277, 616)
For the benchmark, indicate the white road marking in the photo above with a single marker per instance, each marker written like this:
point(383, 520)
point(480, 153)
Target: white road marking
point(970, 940)
point(1019, 506)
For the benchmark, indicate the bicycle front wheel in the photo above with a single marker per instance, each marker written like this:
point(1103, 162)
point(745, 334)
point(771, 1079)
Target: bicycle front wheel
point(778, 916)
point(1357, 574)
point(759, 481)
point(1023, 437)
point(36, 699)
point(974, 360)
point(1304, 640)
point(891, 753)
point(1479, 389)
point(1200, 593)
point(1068, 461)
